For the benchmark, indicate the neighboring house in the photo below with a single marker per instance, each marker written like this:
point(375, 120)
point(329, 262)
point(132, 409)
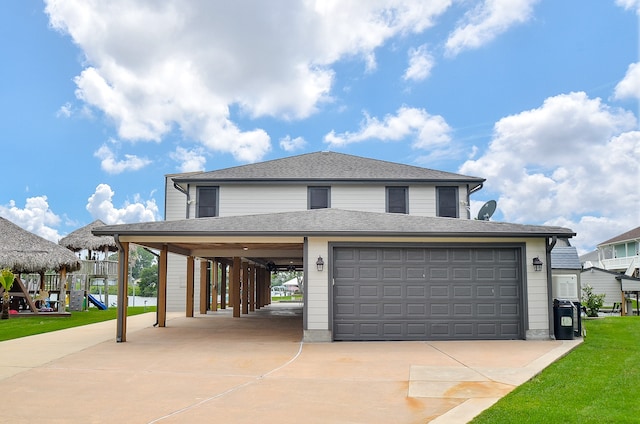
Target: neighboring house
point(388, 250)
point(615, 286)
point(619, 254)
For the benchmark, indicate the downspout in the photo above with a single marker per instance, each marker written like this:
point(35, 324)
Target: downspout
point(549, 248)
point(158, 276)
point(122, 308)
point(186, 193)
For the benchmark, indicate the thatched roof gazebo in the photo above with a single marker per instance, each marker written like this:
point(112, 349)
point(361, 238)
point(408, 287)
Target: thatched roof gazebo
point(83, 238)
point(93, 267)
point(24, 252)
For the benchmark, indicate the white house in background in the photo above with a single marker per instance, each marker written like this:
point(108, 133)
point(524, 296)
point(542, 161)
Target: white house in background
point(616, 287)
point(388, 250)
point(619, 254)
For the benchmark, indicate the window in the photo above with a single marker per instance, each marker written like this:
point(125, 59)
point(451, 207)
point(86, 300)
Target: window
point(397, 200)
point(207, 198)
point(447, 201)
point(318, 197)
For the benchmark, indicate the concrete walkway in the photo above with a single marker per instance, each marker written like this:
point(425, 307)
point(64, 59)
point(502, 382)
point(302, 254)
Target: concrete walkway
point(214, 368)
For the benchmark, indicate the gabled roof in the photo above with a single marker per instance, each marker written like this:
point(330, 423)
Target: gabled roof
point(628, 236)
point(615, 274)
point(333, 222)
point(327, 166)
point(565, 257)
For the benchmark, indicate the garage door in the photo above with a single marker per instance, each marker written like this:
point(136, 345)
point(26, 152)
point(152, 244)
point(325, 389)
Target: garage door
point(396, 293)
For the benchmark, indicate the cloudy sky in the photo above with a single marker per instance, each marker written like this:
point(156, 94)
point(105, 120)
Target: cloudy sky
point(101, 99)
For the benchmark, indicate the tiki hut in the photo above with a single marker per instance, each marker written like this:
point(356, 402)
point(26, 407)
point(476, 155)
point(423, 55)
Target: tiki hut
point(94, 269)
point(25, 252)
point(83, 239)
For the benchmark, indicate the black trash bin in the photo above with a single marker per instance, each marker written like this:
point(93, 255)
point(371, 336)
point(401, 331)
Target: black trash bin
point(563, 319)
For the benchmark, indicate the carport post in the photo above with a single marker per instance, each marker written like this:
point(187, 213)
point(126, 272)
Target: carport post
point(214, 286)
point(252, 288)
point(223, 286)
point(190, 285)
point(204, 286)
point(267, 288)
point(162, 287)
point(123, 276)
point(245, 288)
point(235, 287)
point(258, 287)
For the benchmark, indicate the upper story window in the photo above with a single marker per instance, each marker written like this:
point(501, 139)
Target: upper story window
point(207, 202)
point(319, 197)
point(447, 202)
point(398, 199)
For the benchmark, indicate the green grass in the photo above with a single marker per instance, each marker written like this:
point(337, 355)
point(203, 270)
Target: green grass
point(14, 328)
point(598, 382)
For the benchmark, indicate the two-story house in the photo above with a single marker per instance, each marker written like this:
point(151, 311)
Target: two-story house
point(389, 251)
point(621, 253)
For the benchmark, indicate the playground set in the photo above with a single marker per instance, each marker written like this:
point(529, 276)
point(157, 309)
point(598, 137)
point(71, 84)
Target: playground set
point(41, 293)
point(53, 292)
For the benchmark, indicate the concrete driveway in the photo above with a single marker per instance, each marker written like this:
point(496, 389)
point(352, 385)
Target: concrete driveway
point(214, 368)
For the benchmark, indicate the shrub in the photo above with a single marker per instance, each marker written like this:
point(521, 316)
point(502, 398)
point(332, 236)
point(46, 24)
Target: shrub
point(591, 301)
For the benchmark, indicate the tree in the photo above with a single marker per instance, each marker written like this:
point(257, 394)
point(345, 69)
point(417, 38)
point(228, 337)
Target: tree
point(148, 281)
point(140, 259)
point(6, 280)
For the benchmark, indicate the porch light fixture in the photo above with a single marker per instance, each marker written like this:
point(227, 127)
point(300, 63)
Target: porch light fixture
point(537, 264)
point(320, 264)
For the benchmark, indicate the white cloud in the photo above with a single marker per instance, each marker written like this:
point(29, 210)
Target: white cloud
point(65, 111)
point(629, 87)
point(110, 164)
point(100, 206)
point(563, 162)
point(420, 64)
point(630, 4)
point(485, 22)
point(289, 144)
point(36, 217)
point(190, 160)
point(153, 67)
point(425, 130)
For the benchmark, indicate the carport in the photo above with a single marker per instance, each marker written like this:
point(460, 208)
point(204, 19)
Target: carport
point(408, 277)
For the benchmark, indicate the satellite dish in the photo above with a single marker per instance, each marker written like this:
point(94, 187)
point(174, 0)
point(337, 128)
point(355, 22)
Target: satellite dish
point(487, 210)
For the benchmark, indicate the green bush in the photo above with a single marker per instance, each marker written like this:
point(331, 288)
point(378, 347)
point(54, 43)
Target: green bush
point(591, 301)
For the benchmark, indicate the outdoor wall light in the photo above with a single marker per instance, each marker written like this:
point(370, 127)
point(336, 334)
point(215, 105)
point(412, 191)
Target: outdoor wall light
point(320, 264)
point(537, 264)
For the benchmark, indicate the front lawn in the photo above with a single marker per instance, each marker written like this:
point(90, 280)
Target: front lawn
point(15, 327)
point(598, 382)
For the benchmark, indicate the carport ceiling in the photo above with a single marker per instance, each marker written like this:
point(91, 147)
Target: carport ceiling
point(283, 255)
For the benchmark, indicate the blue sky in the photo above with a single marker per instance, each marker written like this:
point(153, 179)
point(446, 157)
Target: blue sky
point(101, 99)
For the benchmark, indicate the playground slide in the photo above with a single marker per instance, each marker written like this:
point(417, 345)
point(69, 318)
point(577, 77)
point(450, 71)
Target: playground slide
point(96, 302)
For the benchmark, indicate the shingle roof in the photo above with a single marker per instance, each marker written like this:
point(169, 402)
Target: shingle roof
point(326, 166)
point(629, 235)
point(565, 257)
point(333, 222)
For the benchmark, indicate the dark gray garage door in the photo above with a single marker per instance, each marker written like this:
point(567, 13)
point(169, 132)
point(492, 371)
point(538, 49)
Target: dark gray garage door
point(395, 293)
